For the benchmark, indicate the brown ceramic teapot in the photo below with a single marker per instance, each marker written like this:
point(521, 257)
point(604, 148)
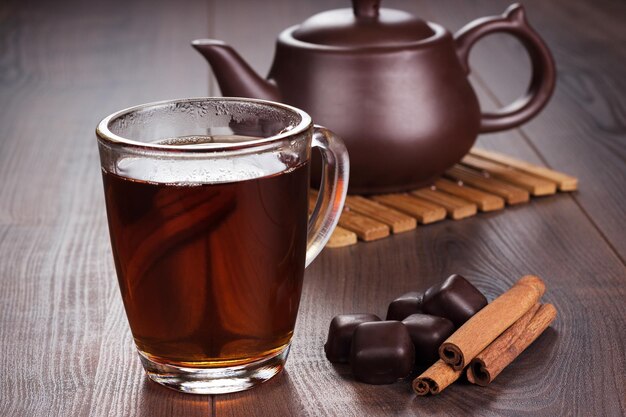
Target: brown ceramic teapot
point(393, 86)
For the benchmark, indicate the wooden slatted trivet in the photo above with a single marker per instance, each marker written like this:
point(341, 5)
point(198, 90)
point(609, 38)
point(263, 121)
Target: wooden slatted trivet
point(482, 181)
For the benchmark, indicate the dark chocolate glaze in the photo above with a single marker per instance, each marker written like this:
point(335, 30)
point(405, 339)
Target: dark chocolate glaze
point(428, 333)
point(455, 299)
point(405, 305)
point(382, 352)
point(337, 347)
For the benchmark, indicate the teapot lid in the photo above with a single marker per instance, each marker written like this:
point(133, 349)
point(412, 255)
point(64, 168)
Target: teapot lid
point(366, 24)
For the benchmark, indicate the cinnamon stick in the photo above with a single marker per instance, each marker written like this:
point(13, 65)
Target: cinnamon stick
point(485, 367)
point(490, 322)
point(435, 379)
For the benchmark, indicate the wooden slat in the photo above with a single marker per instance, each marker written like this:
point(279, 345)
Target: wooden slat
point(423, 211)
point(484, 201)
point(397, 221)
point(535, 185)
point(341, 237)
point(565, 182)
point(511, 193)
point(366, 229)
point(457, 208)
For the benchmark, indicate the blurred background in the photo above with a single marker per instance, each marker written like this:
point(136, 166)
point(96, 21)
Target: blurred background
point(86, 59)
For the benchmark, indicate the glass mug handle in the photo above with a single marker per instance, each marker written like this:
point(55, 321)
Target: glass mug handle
point(332, 192)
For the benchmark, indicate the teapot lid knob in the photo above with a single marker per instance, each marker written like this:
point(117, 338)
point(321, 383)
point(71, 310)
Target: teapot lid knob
point(366, 25)
point(366, 8)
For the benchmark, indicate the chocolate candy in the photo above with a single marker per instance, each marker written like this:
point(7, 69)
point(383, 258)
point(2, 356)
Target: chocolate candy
point(455, 299)
point(428, 333)
point(337, 347)
point(405, 305)
point(381, 352)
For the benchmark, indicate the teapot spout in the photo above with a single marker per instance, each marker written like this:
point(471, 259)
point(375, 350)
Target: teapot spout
point(235, 77)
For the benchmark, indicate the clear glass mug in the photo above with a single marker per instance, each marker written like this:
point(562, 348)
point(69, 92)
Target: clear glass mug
point(207, 205)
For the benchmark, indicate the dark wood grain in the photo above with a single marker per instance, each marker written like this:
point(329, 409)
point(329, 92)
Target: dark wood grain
point(492, 250)
point(587, 114)
point(64, 340)
point(65, 347)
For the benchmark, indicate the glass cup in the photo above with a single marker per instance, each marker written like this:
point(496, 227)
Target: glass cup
point(207, 205)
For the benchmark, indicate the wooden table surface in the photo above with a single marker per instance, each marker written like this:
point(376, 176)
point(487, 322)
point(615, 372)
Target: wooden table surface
point(65, 345)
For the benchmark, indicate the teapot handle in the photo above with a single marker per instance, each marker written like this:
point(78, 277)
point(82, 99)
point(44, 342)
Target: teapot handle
point(513, 22)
